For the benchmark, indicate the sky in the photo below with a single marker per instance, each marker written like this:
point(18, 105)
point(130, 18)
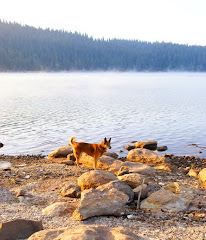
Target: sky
point(176, 21)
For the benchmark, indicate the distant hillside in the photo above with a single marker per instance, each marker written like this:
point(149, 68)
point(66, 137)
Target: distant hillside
point(25, 48)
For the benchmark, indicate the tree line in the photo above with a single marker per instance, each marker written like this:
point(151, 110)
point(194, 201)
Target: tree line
point(25, 48)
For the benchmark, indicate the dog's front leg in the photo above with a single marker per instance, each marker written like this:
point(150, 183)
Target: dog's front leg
point(95, 162)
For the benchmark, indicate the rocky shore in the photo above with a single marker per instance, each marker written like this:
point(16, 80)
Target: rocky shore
point(64, 200)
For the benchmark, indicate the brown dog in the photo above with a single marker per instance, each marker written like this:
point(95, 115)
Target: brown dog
point(93, 150)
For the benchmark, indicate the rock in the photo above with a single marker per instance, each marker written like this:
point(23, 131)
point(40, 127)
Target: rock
point(202, 176)
point(1, 145)
point(144, 155)
point(180, 190)
point(58, 209)
point(129, 147)
point(151, 145)
point(162, 149)
point(123, 170)
point(173, 198)
point(70, 189)
point(120, 186)
point(115, 166)
point(111, 154)
point(103, 162)
point(5, 165)
point(132, 179)
point(95, 202)
point(144, 191)
point(68, 162)
point(140, 168)
point(61, 152)
point(19, 229)
point(71, 157)
point(163, 167)
point(95, 178)
point(164, 200)
point(27, 199)
point(84, 232)
point(21, 193)
point(153, 187)
point(192, 173)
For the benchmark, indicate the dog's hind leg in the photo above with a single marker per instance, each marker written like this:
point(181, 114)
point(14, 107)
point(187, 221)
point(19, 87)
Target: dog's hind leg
point(77, 156)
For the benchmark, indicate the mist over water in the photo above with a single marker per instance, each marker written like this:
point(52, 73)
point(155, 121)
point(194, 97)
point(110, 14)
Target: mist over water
point(40, 111)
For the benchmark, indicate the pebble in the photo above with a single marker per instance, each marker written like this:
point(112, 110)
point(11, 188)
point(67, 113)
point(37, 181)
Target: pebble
point(5, 165)
point(21, 193)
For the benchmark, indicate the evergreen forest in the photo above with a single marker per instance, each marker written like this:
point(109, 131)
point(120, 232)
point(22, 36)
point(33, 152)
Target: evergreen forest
point(25, 48)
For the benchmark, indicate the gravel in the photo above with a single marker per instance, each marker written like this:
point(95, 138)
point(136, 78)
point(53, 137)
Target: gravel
point(42, 178)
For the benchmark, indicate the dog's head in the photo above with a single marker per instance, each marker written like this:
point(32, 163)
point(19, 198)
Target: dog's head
point(106, 143)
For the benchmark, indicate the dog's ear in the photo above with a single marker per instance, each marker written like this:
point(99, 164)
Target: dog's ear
point(105, 140)
point(110, 140)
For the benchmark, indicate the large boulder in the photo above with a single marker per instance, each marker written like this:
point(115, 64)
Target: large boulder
point(95, 178)
point(103, 162)
point(181, 190)
point(151, 145)
point(133, 179)
point(61, 152)
point(19, 229)
point(173, 198)
point(115, 166)
point(101, 202)
point(164, 200)
point(140, 168)
point(145, 155)
point(84, 232)
point(121, 168)
point(58, 209)
point(202, 175)
point(120, 186)
point(70, 189)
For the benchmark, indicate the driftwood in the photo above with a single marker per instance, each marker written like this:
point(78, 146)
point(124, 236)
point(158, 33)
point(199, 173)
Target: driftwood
point(140, 192)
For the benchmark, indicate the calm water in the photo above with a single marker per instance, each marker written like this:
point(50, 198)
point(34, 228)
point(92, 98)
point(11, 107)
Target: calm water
point(40, 111)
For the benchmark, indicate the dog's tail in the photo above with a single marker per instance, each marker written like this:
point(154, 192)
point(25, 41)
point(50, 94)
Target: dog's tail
point(72, 140)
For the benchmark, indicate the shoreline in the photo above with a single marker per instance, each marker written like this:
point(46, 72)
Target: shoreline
point(41, 156)
point(42, 178)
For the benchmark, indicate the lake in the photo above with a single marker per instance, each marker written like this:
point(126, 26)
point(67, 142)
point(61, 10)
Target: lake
point(41, 111)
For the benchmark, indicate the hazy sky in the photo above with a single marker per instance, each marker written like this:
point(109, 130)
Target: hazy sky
point(177, 21)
